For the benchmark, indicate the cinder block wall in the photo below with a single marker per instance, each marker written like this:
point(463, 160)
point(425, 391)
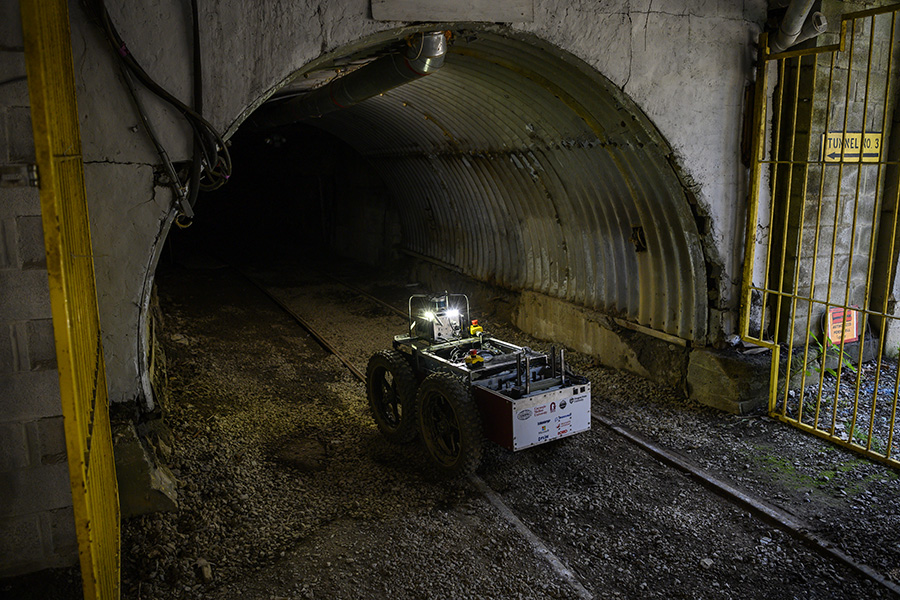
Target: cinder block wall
point(36, 522)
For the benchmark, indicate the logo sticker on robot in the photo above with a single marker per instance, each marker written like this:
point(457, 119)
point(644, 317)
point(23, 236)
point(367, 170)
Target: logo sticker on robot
point(540, 410)
point(553, 407)
point(562, 405)
point(524, 415)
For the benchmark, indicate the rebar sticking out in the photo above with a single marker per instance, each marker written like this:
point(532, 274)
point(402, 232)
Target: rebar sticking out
point(562, 366)
point(552, 361)
point(518, 369)
point(527, 374)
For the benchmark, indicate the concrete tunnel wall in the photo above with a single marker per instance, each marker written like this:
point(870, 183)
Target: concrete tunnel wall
point(684, 68)
point(679, 70)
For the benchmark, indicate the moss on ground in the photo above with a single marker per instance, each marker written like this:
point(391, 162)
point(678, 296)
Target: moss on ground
point(811, 475)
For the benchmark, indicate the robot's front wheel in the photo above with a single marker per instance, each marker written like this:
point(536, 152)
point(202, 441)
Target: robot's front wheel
point(391, 390)
point(450, 424)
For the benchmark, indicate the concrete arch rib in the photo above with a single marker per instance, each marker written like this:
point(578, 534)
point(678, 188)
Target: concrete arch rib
point(521, 166)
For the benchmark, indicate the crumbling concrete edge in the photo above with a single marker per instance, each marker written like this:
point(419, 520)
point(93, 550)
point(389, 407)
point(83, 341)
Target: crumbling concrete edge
point(148, 401)
point(145, 482)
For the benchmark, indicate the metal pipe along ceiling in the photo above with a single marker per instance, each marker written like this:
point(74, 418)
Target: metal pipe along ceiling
point(529, 170)
point(378, 76)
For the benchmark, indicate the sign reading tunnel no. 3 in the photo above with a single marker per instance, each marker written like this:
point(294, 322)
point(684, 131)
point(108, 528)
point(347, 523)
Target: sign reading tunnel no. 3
point(838, 146)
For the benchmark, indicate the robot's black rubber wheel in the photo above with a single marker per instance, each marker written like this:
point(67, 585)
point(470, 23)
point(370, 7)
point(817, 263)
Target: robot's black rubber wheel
point(450, 424)
point(391, 389)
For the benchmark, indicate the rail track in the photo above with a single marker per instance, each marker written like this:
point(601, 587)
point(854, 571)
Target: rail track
point(743, 499)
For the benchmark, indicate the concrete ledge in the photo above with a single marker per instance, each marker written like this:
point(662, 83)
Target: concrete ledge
point(144, 486)
point(557, 320)
point(594, 333)
point(728, 380)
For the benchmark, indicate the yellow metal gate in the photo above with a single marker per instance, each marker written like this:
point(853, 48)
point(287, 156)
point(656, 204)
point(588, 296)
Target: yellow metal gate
point(820, 286)
point(73, 296)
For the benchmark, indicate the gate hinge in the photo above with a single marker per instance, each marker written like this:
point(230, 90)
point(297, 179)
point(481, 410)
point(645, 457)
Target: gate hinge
point(19, 175)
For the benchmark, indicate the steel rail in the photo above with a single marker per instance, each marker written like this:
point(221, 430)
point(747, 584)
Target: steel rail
point(322, 341)
point(759, 508)
point(792, 525)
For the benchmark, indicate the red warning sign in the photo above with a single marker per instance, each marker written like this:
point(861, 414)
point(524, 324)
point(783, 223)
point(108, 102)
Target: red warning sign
point(842, 325)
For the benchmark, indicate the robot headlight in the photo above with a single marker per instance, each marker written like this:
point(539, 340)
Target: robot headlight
point(453, 313)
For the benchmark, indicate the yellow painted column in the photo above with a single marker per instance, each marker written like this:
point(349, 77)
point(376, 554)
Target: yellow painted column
point(73, 296)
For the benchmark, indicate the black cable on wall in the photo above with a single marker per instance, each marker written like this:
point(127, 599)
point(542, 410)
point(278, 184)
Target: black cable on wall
point(211, 165)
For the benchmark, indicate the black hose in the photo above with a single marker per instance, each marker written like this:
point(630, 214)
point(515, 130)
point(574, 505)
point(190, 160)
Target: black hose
point(163, 155)
point(197, 164)
point(210, 149)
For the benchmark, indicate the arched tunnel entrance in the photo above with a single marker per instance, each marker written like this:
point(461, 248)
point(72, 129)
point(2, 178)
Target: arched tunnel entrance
point(515, 164)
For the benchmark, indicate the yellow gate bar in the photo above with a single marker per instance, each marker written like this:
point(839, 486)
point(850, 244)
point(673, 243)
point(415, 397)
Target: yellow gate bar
point(788, 156)
point(73, 296)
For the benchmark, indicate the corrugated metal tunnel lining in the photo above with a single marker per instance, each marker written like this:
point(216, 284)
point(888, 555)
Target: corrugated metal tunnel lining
point(525, 168)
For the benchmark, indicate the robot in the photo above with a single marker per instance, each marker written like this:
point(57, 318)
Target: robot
point(453, 385)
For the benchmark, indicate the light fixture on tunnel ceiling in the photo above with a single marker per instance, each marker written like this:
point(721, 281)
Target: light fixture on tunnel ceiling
point(370, 80)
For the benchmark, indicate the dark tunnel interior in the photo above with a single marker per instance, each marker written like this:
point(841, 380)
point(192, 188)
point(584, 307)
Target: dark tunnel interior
point(297, 194)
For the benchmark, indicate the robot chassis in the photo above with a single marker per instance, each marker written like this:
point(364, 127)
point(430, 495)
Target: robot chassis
point(455, 386)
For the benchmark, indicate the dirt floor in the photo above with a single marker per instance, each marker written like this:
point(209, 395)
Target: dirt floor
point(287, 490)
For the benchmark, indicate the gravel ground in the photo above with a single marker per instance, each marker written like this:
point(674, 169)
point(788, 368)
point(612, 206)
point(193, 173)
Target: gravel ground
point(287, 488)
point(847, 404)
point(288, 491)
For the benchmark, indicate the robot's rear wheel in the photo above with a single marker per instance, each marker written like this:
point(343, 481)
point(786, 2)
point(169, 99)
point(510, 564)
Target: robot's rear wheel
point(391, 390)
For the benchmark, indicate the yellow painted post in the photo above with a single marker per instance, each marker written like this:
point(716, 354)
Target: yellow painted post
point(757, 149)
point(73, 297)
